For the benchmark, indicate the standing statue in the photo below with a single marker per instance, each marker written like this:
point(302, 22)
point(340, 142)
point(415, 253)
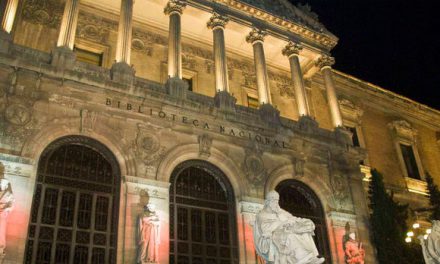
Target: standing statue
point(354, 253)
point(281, 238)
point(6, 203)
point(149, 238)
point(431, 245)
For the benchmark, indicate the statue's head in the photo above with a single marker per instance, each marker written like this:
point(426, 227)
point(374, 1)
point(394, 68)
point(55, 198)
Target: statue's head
point(271, 201)
point(352, 236)
point(3, 184)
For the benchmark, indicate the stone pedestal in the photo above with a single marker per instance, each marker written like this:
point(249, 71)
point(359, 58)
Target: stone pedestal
point(122, 73)
point(225, 102)
point(269, 114)
point(63, 58)
point(176, 87)
point(307, 124)
point(5, 41)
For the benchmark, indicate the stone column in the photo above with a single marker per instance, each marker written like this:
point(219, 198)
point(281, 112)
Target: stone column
point(292, 52)
point(121, 71)
point(123, 47)
point(8, 9)
point(174, 9)
point(217, 24)
point(66, 37)
point(256, 38)
point(325, 63)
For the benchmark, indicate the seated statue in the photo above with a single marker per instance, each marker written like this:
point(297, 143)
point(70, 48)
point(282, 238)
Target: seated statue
point(431, 246)
point(281, 238)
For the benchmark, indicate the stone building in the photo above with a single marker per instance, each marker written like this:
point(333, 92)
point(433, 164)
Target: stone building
point(199, 108)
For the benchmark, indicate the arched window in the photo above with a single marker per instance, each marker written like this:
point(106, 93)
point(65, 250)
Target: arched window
point(202, 216)
point(74, 215)
point(299, 200)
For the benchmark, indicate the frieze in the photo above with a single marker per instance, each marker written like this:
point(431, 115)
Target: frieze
point(200, 124)
point(44, 12)
point(95, 27)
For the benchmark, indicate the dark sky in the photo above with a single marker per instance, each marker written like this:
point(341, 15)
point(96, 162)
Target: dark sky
point(391, 43)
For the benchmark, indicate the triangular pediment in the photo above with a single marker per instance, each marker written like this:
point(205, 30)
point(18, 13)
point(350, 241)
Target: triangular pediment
point(300, 14)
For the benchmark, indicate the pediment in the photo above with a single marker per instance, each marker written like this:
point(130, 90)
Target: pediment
point(300, 14)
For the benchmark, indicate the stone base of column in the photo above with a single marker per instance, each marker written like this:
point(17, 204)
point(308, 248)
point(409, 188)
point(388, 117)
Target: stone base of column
point(269, 114)
point(122, 73)
point(344, 136)
point(225, 102)
point(5, 41)
point(176, 87)
point(63, 58)
point(307, 124)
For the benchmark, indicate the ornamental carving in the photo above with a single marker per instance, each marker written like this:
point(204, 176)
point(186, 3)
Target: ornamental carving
point(217, 20)
point(350, 111)
point(292, 48)
point(402, 129)
point(339, 187)
point(139, 45)
point(174, 6)
point(253, 165)
point(17, 114)
point(44, 12)
point(147, 146)
point(325, 61)
point(189, 62)
point(283, 83)
point(256, 35)
point(88, 120)
point(92, 27)
point(205, 142)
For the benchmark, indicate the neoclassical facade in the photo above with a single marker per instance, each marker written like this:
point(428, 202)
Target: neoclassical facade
point(187, 112)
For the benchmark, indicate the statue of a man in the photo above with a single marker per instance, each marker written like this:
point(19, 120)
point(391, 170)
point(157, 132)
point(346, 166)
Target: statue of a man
point(431, 246)
point(6, 203)
point(354, 253)
point(149, 237)
point(281, 238)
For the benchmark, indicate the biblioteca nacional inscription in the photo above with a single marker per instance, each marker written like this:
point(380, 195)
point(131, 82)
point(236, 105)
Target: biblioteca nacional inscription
point(234, 132)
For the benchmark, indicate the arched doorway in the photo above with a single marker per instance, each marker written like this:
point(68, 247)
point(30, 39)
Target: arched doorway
point(299, 200)
point(202, 216)
point(74, 215)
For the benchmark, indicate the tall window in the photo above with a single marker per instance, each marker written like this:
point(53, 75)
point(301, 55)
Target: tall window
point(202, 216)
point(410, 161)
point(299, 200)
point(74, 215)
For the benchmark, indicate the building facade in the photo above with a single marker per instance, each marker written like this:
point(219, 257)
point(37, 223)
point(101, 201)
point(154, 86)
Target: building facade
point(184, 114)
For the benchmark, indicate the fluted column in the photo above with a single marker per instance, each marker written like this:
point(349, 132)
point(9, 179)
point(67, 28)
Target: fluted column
point(325, 63)
point(292, 52)
point(8, 9)
point(123, 47)
point(256, 38)
point(217, 24)
point(174, 9)
point(66, 37)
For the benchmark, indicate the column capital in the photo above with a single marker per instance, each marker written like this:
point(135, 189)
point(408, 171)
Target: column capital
point(174, 6)
point(256, 35)
point(325, 61)
point(217, 20)
point(291, 49)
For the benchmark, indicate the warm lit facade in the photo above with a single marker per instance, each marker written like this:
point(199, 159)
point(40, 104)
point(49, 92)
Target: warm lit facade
point(97, 122)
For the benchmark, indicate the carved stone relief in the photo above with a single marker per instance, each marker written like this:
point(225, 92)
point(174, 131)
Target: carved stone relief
point(147, 146)
point(88, 120)
point(44, 12)
point(95, 28)
point(253, 165)
point(340, 192)
point(205, 142)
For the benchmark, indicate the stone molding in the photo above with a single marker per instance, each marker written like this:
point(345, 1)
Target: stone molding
point(350, 112)
point(217, 21)
point(340, 219)
point(250, 207)
point(403, 130)
point(152, 188)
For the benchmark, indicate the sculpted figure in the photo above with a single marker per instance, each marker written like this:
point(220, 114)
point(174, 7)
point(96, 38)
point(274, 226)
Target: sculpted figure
point(6, 203)
point(281, 238)
point(431, 246)
point(354, 253)
point(149, 237)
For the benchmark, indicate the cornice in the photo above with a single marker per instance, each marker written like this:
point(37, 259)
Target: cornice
point(324, 38)
point(385, 99)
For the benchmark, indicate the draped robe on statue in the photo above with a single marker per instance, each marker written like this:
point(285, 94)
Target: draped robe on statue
point(281, 238)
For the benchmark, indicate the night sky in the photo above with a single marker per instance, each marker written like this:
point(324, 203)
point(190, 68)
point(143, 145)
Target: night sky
point(391, 43)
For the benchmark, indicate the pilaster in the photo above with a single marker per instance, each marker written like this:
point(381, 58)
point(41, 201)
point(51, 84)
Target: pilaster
point(174, 9)
point(217, 23)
